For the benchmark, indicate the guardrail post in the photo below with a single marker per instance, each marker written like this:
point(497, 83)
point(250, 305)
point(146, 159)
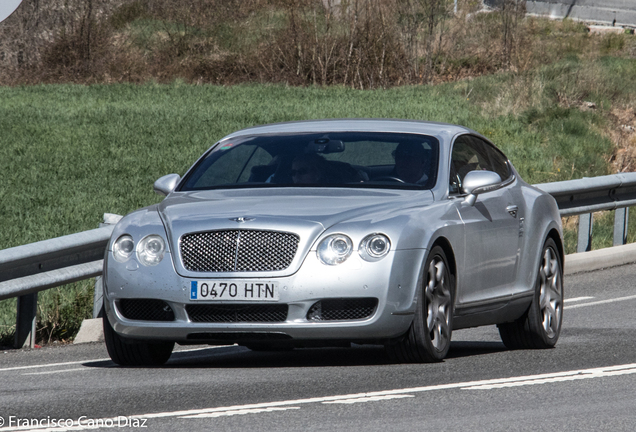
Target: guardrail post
point(584, 243)
point(621, 222)
point(25, 321)
point(98, 296)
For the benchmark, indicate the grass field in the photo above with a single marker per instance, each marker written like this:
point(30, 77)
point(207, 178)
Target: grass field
point(70, 153)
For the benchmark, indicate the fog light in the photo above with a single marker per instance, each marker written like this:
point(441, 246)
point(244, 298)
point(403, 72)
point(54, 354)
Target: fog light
point(315, 312)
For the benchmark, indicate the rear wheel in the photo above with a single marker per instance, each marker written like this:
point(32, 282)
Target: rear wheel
point(540, 326)
point(126, 352)
point(428, 339)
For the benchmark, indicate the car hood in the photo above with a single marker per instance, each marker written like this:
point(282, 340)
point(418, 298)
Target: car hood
point(307, 212)
point(204, 210)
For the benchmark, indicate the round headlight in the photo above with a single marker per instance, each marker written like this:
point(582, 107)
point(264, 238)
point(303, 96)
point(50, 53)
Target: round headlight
point(123, 248)
point(335, 249)
point(374, 247)
point(150, 250)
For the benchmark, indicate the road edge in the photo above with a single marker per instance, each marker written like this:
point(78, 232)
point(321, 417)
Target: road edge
point(600, 259)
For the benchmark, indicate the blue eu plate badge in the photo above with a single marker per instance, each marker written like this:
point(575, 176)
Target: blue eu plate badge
point(193, 290)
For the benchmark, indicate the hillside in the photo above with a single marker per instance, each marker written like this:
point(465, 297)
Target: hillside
point(360, 44)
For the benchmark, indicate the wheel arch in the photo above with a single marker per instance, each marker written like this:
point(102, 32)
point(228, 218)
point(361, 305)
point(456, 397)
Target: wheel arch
point(452, 263)
point(554, 235)
point(450, 256)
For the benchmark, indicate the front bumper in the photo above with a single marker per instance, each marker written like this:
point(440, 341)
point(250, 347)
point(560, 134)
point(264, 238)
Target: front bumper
point(392, 281)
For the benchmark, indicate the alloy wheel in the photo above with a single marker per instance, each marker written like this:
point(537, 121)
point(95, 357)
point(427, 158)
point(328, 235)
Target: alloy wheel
point(550, 295)
point(438, 303)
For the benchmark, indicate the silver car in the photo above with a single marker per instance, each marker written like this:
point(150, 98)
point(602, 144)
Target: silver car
point(332, 232)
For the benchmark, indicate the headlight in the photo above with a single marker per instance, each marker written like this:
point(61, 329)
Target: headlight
point(335, 249)
point(123, 248)
point(374, 247)
point(150, 250)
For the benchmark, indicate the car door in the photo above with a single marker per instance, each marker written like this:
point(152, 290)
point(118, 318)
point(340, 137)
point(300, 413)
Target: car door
point(492, 224)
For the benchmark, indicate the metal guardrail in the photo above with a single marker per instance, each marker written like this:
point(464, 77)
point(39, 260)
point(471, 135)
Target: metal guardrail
point(29, 269)
point(26, 270)
point(587, 195)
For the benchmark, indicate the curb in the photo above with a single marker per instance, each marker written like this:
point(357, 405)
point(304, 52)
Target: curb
point(600, 259)
point(91, 329)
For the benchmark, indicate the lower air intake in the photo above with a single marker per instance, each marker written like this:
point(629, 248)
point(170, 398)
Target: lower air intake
point(342, 309)
point(145, 310)
point(236, 313)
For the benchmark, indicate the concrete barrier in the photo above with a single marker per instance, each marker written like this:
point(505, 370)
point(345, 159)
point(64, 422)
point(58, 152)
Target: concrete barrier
point(90, 331)
point(600, 259)
point(620, 13)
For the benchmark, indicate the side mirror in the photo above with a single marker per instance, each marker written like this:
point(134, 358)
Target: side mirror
point(478, 182)
point(166, 184)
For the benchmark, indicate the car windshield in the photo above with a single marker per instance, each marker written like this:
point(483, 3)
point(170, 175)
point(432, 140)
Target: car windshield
point(343, 159)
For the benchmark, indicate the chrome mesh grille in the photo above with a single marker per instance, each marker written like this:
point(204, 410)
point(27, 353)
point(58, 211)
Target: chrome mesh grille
point(145, 310)
point(238, 251)
point(342, 309)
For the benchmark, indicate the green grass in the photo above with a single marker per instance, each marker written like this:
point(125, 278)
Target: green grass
point(60, 312)
point(70, 153)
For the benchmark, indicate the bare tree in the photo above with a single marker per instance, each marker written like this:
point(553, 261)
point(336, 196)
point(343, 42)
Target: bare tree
point(511, 12)
point(423, 28)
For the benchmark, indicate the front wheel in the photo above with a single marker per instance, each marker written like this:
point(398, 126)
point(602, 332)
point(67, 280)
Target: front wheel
point(428, 339)
point(540, 326)
point(126, 352)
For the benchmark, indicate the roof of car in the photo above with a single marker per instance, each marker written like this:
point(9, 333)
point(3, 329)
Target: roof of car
point(356, 125)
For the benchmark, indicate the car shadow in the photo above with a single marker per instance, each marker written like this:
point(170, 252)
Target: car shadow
point(238, 357)
point(470, 349)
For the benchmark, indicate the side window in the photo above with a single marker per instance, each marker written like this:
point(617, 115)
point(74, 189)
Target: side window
point(498, 162)
point(470, 154)
point(466, 157)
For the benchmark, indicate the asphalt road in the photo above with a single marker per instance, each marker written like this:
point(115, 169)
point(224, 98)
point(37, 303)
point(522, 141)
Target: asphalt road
point(587, 383)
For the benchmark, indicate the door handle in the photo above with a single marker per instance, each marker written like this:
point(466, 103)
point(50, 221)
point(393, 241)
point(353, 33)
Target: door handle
point(512, 209)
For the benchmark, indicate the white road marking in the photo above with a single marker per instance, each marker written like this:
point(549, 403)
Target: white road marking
point(238, 412)
point(601, 302)
point(54, 364)
point(56, 371)
point(602, 372)
point(580, 376)
point(576, 299)
point(369, 399)
point(96, 360)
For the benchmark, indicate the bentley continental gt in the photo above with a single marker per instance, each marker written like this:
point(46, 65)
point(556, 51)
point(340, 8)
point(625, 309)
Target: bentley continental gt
point(332, 232)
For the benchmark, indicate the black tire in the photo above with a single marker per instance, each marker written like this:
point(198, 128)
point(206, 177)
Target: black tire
point(428, 339)
point(126, 352)
point(540, 326)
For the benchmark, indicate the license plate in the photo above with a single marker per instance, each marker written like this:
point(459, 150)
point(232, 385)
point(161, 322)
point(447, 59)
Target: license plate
point(231, 290)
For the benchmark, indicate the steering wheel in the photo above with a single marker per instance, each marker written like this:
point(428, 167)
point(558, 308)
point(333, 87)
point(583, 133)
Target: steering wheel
point(391, 178)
